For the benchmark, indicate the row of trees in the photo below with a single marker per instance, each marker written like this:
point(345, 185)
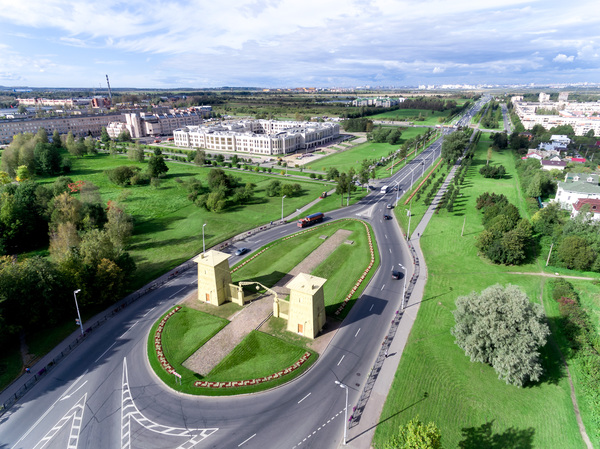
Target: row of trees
point(386, 135)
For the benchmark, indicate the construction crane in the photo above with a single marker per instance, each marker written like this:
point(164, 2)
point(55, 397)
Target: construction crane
point(109, 92)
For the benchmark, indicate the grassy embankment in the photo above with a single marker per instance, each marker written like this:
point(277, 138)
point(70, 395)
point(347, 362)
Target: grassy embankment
point(436, 381)
point(345, 160)
point(260, 354)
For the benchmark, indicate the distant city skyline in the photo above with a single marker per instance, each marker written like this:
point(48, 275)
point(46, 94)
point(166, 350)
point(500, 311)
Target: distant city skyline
point(271, 43)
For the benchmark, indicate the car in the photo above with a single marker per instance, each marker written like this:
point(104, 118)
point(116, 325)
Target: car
point(396, 274)
point(389, 206)
point(241, 251)
point(387, 217)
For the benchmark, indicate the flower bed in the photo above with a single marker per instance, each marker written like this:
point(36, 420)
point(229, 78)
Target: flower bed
point(158, 341)
point(244, 383)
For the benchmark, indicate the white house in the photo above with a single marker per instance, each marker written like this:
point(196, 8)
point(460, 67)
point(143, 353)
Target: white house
point(568, 193)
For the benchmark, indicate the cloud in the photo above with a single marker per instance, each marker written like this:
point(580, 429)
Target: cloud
point(563, 58)
point(280, 42)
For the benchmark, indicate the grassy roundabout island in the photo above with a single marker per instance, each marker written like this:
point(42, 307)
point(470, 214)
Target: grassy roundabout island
point(270, 356)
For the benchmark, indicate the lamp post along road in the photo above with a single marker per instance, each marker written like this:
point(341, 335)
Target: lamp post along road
point(77, 307)
point(345, 387)
point(282, 207)
point(203, 247)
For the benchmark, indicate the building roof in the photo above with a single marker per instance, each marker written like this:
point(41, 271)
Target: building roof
point(554, 163)
point(306, 283)
point(578, 159)
point(594, 204)
point(594, 178)
point(211, 258)
point(579, 187)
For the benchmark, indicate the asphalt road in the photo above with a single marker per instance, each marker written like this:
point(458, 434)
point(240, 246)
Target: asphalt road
point(104, 394)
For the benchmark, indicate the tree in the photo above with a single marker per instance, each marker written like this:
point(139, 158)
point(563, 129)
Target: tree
point(157, 166)
point(136, 154)
point(502, 328)
point(200, 157)
point(416, 435)
point(274, 188)
point(454, 146)
point(124, 136)
point(575, 252)
point(23, 173)
point(332, 173)
point(104, 137)
point(343, 183)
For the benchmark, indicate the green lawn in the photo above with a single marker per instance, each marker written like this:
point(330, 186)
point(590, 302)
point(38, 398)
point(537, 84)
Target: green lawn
point(352, 158)
point(168, 227)
point(258, 355)
point(589, 296)
point(186, 331)
point(436, 381)
point(342, 268)
point(401, 115)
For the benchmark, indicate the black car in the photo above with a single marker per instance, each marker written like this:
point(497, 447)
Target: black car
point(396, 274)
point(241, 251)
point(387, 217)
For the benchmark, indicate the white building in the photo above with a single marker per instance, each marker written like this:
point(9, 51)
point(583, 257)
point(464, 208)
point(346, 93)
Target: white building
point(583, 117)
point(568, 193)
point(141, 124)
point(258, 136)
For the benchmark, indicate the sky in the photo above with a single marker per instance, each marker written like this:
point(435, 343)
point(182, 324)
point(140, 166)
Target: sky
point(293, 43)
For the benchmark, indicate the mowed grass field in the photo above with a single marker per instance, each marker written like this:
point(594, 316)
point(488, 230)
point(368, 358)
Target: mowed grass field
point(402, 115)
point(341, 268)
point(436, 381)
point(168, 227)
point(257, 355)
point(352, 158)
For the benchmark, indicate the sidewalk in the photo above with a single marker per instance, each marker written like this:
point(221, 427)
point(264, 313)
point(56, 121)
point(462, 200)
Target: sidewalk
point(366, 416)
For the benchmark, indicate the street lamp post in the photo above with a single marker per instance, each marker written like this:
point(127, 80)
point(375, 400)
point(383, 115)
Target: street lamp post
point(77, 307)
point(404, 286)
point(397, 191)
point(203, 247)
point(282, 207)
point(345, 387)
point(393, 159)
point(409, 217)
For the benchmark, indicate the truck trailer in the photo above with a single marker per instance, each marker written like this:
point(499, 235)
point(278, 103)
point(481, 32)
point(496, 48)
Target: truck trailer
point(310, 220)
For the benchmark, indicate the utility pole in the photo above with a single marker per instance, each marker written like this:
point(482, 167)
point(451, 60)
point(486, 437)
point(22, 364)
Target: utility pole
point(548, 259)
point(463, 228)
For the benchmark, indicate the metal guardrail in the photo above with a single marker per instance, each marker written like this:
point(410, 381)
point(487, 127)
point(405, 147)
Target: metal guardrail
point(358, 410)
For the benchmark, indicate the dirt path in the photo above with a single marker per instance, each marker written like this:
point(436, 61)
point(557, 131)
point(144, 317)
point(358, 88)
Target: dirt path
point(584, 435)
point(551, 275)
point(254, 314)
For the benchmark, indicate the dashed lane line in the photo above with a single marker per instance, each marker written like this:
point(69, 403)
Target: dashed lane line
point(320, 427)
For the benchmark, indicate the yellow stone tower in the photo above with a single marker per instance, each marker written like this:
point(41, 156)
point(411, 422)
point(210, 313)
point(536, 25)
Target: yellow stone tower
point(307, 305)
point(214, 277)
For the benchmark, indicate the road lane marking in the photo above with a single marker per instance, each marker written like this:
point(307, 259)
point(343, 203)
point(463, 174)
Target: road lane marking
point(304, 398)
point(105, 351)
point(371, 307)
point(390, 250)
point(383, 286)
point(355, 335)
point(49, 409)
point(129, 329)
point(78, 388)
point(245, 441)
point(129, 412)
point(182, 288)
point(341, 360)
point(148, 311)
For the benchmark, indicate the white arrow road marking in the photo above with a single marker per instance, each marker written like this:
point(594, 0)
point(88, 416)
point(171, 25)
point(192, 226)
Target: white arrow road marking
point(129, 411)
point(75, 414)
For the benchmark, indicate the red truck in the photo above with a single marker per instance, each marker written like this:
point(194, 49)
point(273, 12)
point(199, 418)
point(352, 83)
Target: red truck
point(310, 220)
